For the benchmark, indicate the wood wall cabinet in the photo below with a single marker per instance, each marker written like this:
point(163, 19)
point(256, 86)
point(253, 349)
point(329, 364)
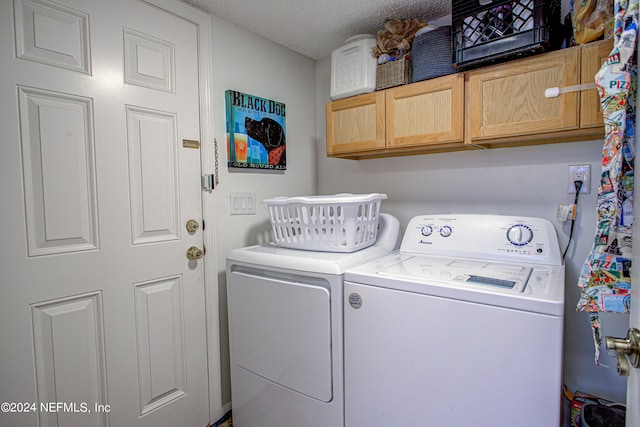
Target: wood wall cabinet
point(507, 104)
point(508, 100)
point(593, 56)
point(427, 113)
point(421, 117)
point(496, 106)
point(356, 124)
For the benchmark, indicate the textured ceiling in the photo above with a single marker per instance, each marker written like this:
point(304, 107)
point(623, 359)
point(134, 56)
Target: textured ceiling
point(314, 28)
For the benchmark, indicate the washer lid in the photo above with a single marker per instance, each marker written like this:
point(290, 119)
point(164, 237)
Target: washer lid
point(462, 272)
point(521, 286)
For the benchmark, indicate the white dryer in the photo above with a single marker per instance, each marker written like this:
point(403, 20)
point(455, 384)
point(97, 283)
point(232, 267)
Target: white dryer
point(285, 327)
point(462, 326)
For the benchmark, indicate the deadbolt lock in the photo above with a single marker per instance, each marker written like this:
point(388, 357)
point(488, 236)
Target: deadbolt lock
point(192, 226)
point(627, 350)
point(194, 253)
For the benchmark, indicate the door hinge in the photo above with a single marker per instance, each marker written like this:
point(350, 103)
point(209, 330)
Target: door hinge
point(208, 182)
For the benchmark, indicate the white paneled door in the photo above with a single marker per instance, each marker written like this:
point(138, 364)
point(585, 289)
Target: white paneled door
point(102, 315)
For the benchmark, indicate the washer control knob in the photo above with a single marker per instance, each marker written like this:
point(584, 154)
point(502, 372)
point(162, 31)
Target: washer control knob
point(426, 230)
point(445, 231)
point(519, 235)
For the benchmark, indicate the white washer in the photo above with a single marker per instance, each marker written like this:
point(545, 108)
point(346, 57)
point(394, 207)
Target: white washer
point(285, 327)
point(462, 326)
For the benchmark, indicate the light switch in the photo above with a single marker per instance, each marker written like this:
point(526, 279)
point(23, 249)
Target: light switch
point(243, 203)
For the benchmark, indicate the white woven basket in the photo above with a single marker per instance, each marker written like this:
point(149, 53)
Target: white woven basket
point(338, 223)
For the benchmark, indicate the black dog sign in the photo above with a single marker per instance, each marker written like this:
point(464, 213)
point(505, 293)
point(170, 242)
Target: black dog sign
point(256, 132)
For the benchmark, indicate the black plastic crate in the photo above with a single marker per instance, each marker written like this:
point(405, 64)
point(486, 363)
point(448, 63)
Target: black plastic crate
point(486, 31)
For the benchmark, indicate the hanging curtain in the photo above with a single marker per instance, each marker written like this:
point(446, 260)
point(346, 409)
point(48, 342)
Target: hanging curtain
point(605, 278)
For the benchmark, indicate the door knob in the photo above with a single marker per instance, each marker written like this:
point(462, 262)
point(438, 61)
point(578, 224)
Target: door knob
point(194, 253)
point(627, 350)
point(192, 226)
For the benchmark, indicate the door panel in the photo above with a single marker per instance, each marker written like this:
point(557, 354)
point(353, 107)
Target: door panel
point(148, 61)
point(53, 34)
point(59, 171)
point(153, 168)
point(160, 345)
point(70, 359)
point(100, 305)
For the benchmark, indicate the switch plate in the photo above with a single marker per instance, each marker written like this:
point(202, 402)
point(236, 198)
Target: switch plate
point(243, 203)
point(582, 173)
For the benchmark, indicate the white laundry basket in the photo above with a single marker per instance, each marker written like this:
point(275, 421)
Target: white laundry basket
point(337, 223)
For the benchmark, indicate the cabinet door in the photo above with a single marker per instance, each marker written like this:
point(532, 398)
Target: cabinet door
point(355, 124)
point(508, 100)
point(593, 56)
point(426, 113)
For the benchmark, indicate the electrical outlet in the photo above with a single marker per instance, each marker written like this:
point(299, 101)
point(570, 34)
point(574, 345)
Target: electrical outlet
point(579, 173)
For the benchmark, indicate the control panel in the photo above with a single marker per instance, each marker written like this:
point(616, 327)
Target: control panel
point(444, 231)
point(520, 234)
point(521, 239)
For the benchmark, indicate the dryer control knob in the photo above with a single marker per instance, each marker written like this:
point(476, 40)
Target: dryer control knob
point(519, 235)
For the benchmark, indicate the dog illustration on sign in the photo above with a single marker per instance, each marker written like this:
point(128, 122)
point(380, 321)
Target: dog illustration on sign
point(271, 135)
